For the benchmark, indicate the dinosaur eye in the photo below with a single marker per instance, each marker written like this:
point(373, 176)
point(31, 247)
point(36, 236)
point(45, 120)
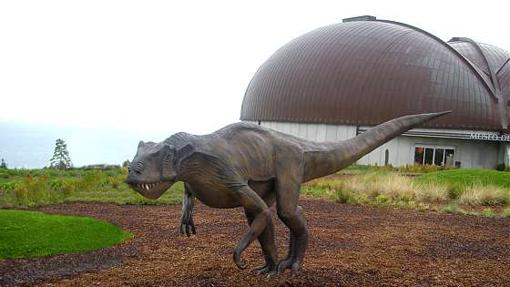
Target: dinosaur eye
point(136, 167)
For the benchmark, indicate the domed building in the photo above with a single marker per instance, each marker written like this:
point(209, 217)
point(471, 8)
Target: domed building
point(337, 81)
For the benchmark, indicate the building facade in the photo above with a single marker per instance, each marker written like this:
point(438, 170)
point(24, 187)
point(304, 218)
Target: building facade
point(337, 81)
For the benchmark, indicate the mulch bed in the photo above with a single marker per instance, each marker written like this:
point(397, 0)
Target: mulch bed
point(349, 246)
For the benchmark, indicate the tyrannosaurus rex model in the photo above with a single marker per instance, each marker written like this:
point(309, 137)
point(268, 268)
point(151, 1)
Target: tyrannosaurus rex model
point(245, 165)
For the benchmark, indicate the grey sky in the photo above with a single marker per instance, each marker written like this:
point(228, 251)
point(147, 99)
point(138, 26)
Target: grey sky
point(178, 65)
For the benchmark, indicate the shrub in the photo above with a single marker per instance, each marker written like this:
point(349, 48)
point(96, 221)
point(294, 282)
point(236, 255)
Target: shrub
point(89, 181)
point(501, 167)
point(64, 185)
point(34, 191)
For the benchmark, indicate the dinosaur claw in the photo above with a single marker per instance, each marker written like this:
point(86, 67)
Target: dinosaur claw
point(268, 271)
point(291, 264)
point(238, 261)
point(282, 266)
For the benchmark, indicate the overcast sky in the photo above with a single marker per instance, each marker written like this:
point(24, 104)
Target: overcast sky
point(178, 65)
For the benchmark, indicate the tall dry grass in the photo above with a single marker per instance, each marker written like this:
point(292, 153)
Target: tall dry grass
point(383, 188)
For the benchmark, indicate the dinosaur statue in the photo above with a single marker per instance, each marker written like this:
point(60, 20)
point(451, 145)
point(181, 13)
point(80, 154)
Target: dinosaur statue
point(245, 165)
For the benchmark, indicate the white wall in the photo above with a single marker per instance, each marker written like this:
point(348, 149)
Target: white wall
point(471, 154)
point(315, 132)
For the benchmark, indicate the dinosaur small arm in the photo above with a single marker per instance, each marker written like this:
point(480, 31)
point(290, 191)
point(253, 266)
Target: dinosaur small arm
point(245, 165)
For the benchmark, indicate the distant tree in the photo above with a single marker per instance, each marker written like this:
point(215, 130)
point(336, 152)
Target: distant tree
point(60, 159)
point(3, 164)
point(125, 164)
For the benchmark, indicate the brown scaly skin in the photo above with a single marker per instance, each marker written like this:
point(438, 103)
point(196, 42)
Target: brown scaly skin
point(251, 166)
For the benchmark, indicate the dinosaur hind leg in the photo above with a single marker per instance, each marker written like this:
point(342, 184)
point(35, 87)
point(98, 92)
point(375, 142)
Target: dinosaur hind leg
point(261, 218)
point(291, 214)
point(268, 246)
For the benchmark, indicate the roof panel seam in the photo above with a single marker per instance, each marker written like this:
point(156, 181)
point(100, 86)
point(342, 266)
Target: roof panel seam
point(450, 48)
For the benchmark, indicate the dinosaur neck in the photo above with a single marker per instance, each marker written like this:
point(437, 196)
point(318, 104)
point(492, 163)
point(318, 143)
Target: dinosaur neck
point(322, 159)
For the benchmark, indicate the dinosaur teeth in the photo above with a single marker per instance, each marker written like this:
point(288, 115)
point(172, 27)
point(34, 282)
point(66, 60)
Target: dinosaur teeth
point(148, 186)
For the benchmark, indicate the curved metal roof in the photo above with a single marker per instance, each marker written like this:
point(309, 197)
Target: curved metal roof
point(493, 65)
point(366, 72)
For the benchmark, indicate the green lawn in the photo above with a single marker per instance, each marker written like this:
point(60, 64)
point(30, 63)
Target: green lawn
point(467, 177)
point(35, 234)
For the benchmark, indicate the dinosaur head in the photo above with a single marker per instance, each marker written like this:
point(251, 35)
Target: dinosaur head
point(152, 170)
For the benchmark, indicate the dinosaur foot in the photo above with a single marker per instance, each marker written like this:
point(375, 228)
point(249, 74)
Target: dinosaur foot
point(266, 270)
point(285, 264)
point(239, 261)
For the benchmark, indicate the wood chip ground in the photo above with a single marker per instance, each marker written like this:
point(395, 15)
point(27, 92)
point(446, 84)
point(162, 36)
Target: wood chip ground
point(349, 246)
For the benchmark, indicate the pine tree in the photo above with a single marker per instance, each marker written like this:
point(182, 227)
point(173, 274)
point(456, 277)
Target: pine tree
point(3, 164)
point(60, 159)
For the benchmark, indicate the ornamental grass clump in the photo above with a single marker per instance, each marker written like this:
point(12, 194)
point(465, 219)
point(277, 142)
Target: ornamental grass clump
point(489, 195)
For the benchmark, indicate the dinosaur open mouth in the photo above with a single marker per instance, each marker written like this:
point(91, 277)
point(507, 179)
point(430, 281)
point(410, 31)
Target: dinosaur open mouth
point(149, 186)
point(151, 190)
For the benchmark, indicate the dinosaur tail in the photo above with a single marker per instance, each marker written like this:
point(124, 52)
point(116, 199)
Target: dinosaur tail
point(328, 158)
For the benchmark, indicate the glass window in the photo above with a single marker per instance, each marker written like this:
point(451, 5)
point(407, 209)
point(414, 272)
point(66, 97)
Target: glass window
point(434, 155)
point(418, 155)
point(449, 157)
point(429, 154)
point(439, 157)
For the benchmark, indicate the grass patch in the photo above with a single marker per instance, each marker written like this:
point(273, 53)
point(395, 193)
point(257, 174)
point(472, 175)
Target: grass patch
point(467, 177)
point(488, 212)
point(35, 234)
point(453, 208)
point(31, 188)
point(450, 194)
point(489, 195)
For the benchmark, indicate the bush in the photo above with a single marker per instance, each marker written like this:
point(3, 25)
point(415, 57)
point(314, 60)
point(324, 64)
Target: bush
point(90, 180)
point(66, 186)
point(34, 191)
point(28, 188)
point(501, 167)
